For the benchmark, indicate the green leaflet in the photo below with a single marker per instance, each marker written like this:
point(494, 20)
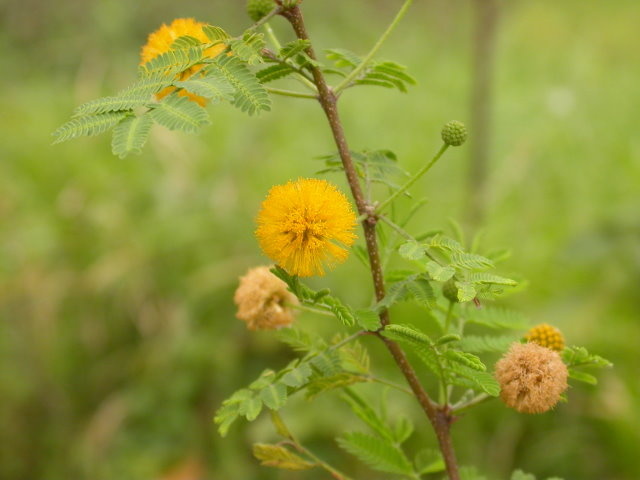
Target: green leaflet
point(212, 86)
point(172, 62)
point(293, 48)
point(250, 96)
point(470, 261)
point(470, 378)
point(185, 41)
point(367, 414)
point(411, 250)
point(278, 456)
point(88, 125)
point(273, 72)
point(367, 319)
point(466, 291)
point(496, 318)
point(179, 113)
point(438, 272)
point(377, 453)
point(486, 343)
point(215, 34)
point(249, 48)
point(301, 341)
point(130, 135)
point(137, 95)
point(321, 384)
point(467, 359)
point(298, 376)
point(274, 396)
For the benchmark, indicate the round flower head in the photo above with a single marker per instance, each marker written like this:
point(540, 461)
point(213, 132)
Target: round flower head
point(454, 133)
point(160, 42)
point(305, 224)
point(547, 336)
point(531, 378)
point(262, 300)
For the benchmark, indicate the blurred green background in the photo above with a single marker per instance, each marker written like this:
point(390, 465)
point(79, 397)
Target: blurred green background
point(117, 331)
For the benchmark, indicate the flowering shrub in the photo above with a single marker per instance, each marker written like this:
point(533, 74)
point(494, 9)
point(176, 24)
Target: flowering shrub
point(307, 225)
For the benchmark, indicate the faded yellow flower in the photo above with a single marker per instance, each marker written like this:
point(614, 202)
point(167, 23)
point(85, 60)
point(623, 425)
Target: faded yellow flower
point(263, 300)
point(547, 336)
point(531, 378)
point(160, 42)
point(306, 225)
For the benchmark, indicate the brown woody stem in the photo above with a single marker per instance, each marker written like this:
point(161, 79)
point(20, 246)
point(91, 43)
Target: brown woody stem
point(439, 416)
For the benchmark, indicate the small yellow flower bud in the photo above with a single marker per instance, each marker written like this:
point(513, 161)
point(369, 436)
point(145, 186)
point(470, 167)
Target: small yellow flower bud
point(547, 336)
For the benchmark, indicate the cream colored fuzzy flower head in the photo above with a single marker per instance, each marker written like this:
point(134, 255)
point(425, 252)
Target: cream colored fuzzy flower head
point(531, 378)
point(263, 299)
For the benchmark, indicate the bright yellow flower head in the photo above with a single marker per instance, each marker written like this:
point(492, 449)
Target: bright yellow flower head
point(304, 225)
point(160, 42)
point(547, 336)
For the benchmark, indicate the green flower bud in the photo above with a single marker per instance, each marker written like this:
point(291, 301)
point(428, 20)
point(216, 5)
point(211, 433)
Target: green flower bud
point(256, 9)
point(454, 133)
point(450, 291)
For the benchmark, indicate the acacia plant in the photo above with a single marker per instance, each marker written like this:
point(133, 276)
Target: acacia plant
point(307, 225)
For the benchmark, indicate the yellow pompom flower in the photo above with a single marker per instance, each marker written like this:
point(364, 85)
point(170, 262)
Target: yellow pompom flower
point(546, 336)
point(304, 225)
point(160, 42)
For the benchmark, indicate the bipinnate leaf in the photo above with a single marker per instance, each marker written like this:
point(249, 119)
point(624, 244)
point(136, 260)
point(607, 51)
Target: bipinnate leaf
point(274, 395)
point(496, 318)
point(248, 48)
point(297, 376)
point(293, 48)
point(172, 62)
point(470, 261)
point(378, 453)
point(466, 291)
point(130, 135)
point(367, 414)
point(250, 96)
point(88, 125)
point(213, 86)
point(367, 319)
point(438, 272)
point(411, 250)
point(179, 113)
point(215, 34)
point(486, 343)
point(278, 456)
point(273, 72)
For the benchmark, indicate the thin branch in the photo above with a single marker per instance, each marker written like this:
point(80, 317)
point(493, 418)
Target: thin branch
point(416, 176)
point(346, 82)
point(440, 418)
point(291, 93)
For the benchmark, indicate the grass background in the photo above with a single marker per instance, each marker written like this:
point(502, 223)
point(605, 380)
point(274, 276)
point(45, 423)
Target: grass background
point(117, 331)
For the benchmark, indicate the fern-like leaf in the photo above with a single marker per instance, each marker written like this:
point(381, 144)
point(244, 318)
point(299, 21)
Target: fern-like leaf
point(130, 135)
point(172, 62)
point(213, 86)
point(250, 96)
point(179, 113)
point(278, 456)
point(485, 343)
point(377, 453)
point(496, 318)
point(88, 125)
point(249, 47)
point(274, 72)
